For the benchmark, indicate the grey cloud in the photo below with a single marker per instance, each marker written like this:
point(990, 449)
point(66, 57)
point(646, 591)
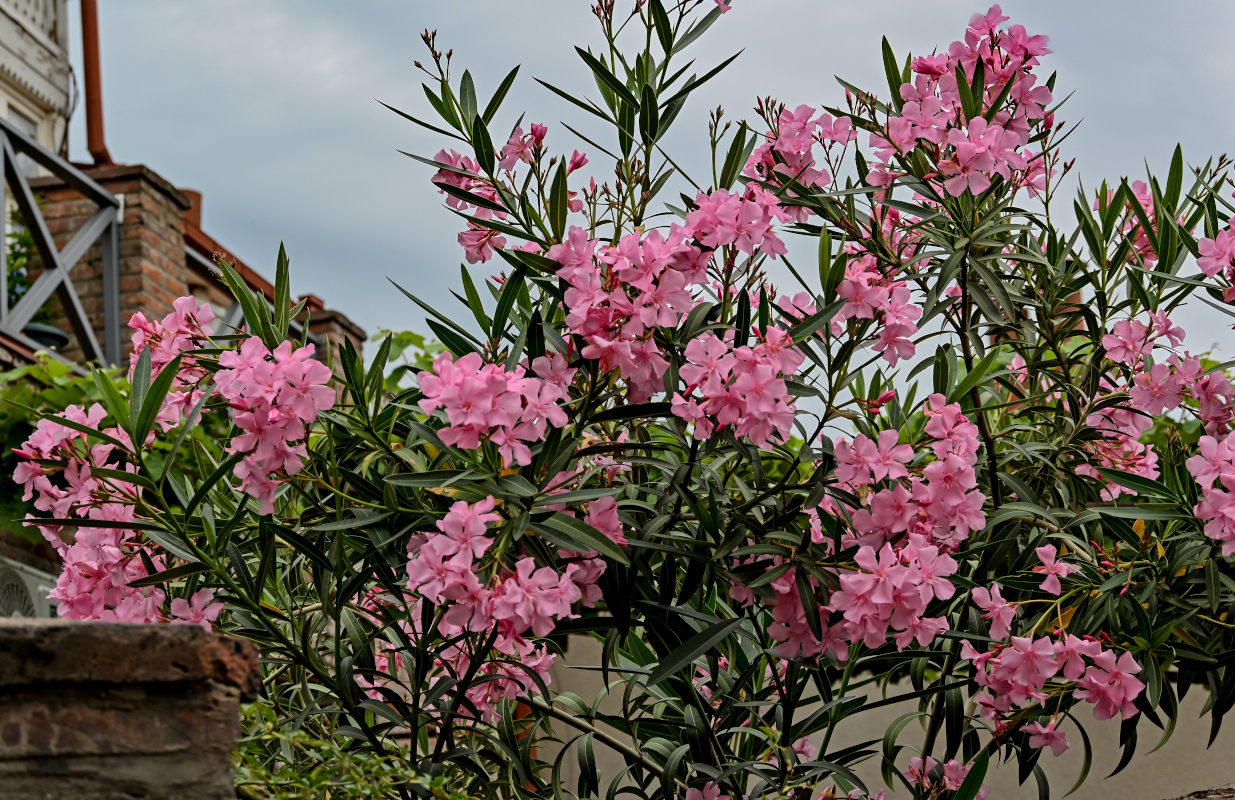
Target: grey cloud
point(269, 109)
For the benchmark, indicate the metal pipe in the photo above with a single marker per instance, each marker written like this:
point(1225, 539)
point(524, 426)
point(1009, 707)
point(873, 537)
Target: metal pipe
point(95, 141)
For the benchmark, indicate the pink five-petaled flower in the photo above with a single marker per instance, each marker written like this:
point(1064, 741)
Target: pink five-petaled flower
point(1109, 685)
point(198, 610)
point(1054, 570)
point(1047, 736)
point(466, 525)
point(919, 771)
point(998, 611)
point(710, 791)
point(866, 461)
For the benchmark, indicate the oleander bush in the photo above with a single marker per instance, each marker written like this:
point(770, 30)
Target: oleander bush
point(965, 465)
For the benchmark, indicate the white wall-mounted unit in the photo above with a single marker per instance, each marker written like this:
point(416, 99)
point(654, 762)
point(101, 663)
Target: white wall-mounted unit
point(23, 591)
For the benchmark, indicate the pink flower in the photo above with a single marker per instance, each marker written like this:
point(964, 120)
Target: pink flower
point(1054, 570)
point(998, 611)
point(1217, 254)
point(198, 610)
point(710, 790)
point(1109, 685)
point(1047, 736)
point(919, 771)
point(1127, 342)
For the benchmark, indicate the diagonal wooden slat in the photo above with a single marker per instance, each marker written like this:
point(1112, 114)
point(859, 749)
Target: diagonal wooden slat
point(80, 322)
point(58, 263)
point(90, 231)
point(56, 165)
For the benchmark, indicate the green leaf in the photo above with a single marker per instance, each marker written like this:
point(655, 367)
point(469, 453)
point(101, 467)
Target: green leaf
point(140, 386)
point(360, 520)
point(632, 411)
point(734, 158)
point(575, 534)
point(603, 74)
point(664, 29)
point(113, 401)
point(496, 101)
point(506, 301)
point(455, 343)
point(1146, 487)
point(474, 302)
point(482, 146)
point(697, 30)
point(173, 574)
point(282, 294)
point(1175, 179)
point(256, 311)
point(577, 496)
point(973, 781)
point(893, 73)
point(975, 376)
point(467, 97)
point(559, 196)
point(152, 403)
point(649, 117)
point(814, 322)
point(968, 104)
point(697, 82)
point(692, 648)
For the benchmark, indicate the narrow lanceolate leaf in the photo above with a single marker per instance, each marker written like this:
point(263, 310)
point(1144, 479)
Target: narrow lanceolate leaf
point(692, 648)
point(1144, 487)
point(664, 29)
point(608, 78)
point(734, 160)
point(506, 301)
point(141, 385)
point(975, 377)
point(559, 202)
point(482, 146)
point(973, 781)
point(282, 294)
point(575, 534)
point(152, 403)
point(649, 116)
point(893, 73)
point(496, 101)
point(467, 97)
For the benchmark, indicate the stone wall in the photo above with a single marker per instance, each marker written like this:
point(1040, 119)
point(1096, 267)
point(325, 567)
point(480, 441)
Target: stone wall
point(103, 711)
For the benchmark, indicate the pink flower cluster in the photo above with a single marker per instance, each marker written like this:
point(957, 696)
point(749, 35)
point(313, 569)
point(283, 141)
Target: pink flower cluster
point(1016, 672)
point(447, 569)
point(891, 590)
point(1213, 468)
point(618, 295)
point(872, 293)
point(924, 773)
point(787, 153)
point(523, 147)
point(462, 172)
point(273, 396)
point(1153, 389)
point(99, 563)
point(1218, 258)
point(942, 504)
point(743, 221)
point(970, 150)
point(487, 403)
point(742, 387)
point(179, 333)
point(904, 536)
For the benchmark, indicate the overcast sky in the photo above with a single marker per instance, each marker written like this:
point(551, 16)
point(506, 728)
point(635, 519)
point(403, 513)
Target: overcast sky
point(269, 107)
